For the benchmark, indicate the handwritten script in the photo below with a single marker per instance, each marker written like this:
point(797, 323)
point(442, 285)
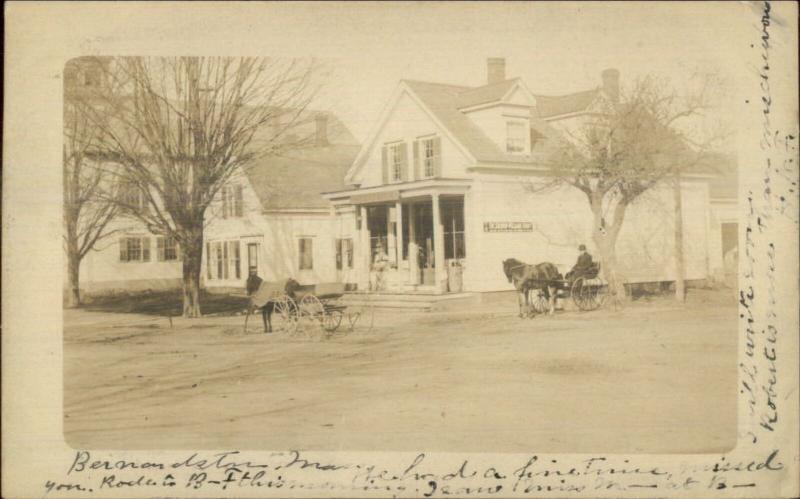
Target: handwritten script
point(771, 211)
point(231, 472)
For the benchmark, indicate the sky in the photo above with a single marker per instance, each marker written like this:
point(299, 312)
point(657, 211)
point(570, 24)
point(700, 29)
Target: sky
point(367, 48)
point(555, 48)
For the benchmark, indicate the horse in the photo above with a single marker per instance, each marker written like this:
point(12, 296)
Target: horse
point(526, 277)
point(253, 284)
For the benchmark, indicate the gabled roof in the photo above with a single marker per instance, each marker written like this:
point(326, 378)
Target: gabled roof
point(725, 170)
point(295, 179)
point(488, 93)
point(448, 106)
point(551, 106)
point(444, 101)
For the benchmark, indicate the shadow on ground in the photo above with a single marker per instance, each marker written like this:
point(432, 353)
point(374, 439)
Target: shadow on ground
point(164, 303)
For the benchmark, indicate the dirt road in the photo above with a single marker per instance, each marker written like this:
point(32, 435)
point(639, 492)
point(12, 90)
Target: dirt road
point(656, 377)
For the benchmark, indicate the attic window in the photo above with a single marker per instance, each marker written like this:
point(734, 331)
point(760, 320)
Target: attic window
point(397, 161)
point(232, 201)
point(516, 137)
point(429, 157)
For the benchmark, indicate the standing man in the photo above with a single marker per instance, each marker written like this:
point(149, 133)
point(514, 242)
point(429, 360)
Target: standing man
point(379, 265)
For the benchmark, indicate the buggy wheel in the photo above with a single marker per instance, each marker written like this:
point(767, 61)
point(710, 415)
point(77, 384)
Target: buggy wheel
point(284, 315)
point(587, 296)
point(312, 314)
point(331, 320)
point(539, 303)
point(311, 308)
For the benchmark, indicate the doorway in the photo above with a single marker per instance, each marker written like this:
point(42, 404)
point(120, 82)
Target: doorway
point(423, 237)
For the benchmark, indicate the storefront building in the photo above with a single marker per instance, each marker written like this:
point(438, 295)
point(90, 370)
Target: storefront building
point(445, 185)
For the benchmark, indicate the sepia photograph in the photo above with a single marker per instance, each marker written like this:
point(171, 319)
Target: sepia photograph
point(486, 256)
point(435, 229)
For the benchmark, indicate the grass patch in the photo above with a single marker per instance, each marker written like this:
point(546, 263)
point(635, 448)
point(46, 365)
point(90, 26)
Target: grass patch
point(164, 303)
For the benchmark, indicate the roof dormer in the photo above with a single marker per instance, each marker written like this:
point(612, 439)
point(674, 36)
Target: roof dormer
point(497, 91)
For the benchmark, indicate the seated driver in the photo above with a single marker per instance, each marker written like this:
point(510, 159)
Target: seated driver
point(583, 266)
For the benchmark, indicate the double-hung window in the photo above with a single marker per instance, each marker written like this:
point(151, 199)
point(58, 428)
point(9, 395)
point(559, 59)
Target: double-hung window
point(167, 249)
point(134, 249)
point(224, 260)
point(428, 157)
point(398, 158)
point(236, 258)
point(232, 201)
point(394, 162)
point(516, 137)
point(132, 197)
point(344, 254)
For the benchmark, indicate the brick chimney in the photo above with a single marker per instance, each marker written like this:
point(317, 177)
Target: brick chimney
point(495, 70)
point(321, 135)
point(611, 83)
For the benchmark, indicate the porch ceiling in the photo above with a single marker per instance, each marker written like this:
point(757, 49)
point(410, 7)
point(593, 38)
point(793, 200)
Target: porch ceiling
point(398, 191)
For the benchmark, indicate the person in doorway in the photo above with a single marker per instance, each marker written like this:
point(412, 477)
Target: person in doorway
point(379, 265)
point(583, 267)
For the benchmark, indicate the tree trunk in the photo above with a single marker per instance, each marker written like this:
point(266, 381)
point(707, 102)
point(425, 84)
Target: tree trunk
point(192, 254)
point(605, 238)
point(680, 285)
point(73, 273)
point(608, 261)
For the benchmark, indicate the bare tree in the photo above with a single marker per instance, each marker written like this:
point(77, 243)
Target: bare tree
point(179, 128)
point(87, 209)
point(625, 148)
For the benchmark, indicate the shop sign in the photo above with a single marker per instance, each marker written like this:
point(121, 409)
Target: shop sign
point(507, 227)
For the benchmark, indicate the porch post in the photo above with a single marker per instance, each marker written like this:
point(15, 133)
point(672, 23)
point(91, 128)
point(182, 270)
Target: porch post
point(398, 213)
point(438, 246)
point(364, 250)
point(413, 249)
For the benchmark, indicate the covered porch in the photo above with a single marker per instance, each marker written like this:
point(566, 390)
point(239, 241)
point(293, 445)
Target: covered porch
point(410, 237)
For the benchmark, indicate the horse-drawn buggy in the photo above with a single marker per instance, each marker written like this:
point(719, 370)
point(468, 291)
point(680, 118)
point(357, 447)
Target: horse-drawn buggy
point(539, 286)
point(289, 307)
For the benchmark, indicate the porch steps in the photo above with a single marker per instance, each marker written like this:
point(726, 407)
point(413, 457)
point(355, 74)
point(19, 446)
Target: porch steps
point(412, 302)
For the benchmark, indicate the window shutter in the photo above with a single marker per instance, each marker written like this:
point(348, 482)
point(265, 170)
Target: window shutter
point(239, 199)
point(225, 260)
point(349, 253)
point(224, 202)
point(384, 166)
point(404, 162)
point(417, 162)
point(306, 253)
point(145, 249)
point(123, 249)
point(437, 157)
point(208, 261)
point(237, 258)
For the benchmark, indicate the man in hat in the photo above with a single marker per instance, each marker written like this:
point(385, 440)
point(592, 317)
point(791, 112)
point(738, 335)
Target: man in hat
point(583, 266)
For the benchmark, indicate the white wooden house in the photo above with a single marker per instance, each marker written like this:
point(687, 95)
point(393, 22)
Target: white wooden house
point(271, 219)
point(442, 182)
point(445, 175)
